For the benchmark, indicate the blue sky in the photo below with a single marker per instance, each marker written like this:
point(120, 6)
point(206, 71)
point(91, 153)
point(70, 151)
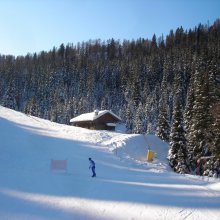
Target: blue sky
point(36, 25)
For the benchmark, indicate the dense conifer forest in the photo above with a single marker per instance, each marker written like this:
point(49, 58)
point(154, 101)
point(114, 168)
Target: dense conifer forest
point(169, 86)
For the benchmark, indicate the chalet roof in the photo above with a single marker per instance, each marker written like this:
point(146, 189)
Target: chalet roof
point(93, 116)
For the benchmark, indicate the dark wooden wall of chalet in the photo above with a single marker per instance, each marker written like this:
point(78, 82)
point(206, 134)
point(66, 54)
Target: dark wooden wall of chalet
point(83, 124)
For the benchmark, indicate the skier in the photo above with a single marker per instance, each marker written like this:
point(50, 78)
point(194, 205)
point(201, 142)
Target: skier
point(92, 166)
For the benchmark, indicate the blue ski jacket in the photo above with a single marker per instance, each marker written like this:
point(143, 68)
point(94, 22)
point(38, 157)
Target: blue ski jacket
point(92, 163)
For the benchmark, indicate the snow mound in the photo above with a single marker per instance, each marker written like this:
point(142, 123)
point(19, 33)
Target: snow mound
point(135, 147)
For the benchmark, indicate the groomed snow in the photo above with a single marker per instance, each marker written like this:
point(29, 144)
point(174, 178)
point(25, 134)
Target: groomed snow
point(127, 186)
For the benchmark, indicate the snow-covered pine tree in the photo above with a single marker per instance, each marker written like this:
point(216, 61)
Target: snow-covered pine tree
point(177, 153)
point(199, 134)
point(188, 114)
point(216, 143)
point(213, 164)
point(32, 108)
point(9, 100)
point(129, 118)
point(163, 127)
point(139, 120)
point(151, 110)
point(136, 93)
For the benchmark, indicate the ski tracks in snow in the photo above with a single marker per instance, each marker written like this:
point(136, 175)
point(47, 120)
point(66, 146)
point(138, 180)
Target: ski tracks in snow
point(186, 213)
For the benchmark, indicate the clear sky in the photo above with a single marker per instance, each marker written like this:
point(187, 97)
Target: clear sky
point(36, 25)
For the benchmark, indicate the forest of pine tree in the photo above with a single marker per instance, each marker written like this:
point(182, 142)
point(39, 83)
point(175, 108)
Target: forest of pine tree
point(168, 86)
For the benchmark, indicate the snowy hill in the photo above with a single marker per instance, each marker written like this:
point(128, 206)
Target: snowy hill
point(126, 187)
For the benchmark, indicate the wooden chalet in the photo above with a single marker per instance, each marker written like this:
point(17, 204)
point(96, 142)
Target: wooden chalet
point(97, 120)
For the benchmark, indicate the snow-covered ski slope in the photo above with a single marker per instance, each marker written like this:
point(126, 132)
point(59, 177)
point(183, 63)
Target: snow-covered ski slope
point(126, 187)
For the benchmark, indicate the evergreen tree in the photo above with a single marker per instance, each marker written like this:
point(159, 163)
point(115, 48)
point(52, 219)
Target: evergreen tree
point(139, 120)
point(199, 135)
point(136, 94)
point(10, 97)
point(129, 118)
point(188, 114)
point(163, 127)
point(32, 108)
point(177, 154)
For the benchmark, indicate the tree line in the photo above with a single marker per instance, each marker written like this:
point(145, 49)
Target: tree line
point(169, 86)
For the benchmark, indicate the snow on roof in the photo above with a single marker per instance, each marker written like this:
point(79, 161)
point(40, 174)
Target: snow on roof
point(111, 124)
point(93, 116)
